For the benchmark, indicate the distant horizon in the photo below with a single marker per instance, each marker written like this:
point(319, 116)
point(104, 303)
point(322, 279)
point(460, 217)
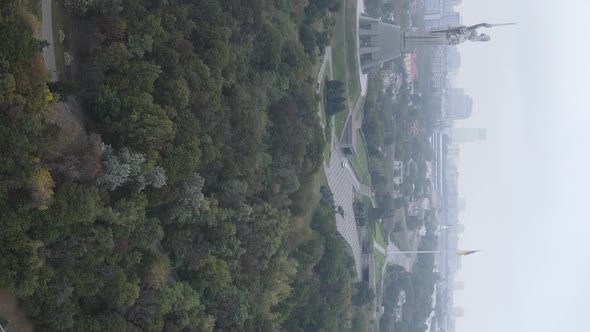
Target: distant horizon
point(527, 86)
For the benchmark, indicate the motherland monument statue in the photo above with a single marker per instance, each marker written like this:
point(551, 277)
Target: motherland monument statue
point(382, 41)
point(448, 35)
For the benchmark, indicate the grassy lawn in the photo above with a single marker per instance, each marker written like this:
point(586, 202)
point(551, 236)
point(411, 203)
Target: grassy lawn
point(379, 236)
point(361, 163)
point(339, 66)
point(368, 209)
point(328, 151)
point(338, 52)
point(345, 60)
point(339, 122)
point(61, 21)
point(354, 84)
point(379, 266)
point(359, 114)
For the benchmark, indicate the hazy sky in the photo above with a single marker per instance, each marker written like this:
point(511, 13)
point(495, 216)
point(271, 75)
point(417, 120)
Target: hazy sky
point(526, 186)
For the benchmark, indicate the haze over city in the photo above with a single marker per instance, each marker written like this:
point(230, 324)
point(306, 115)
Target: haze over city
point(305, 165)
point(526, 184)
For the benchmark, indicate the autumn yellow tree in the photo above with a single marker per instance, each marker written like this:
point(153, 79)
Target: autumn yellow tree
point(41, 185)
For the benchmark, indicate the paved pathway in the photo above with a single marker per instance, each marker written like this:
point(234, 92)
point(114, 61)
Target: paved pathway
point(327, 57)
point(342, 185)
point(343, 180)
point(379, 247)
point(47, 34)
point(394, 256)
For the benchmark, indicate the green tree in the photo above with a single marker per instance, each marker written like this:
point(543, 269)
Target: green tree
point(307, 38)
point(359, 323)
point(157, 269)
point(146, 125)
point(270, 44)
point(292, 57)
point(121, 292)
point(363, 294)
point(190, 201)
point(182, 308)
point(141, 76)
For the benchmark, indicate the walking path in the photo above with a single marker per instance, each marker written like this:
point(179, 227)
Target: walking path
point(342, 185)
point(47, 34)
point(379, 247)
point(343, 181)
point(327, 57)
point(69, 106)
point(394, 256)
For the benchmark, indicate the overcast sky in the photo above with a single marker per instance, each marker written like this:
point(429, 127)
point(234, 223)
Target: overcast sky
point(526, 185)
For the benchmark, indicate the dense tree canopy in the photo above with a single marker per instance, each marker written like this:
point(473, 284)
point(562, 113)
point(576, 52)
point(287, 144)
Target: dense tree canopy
point(178, 206)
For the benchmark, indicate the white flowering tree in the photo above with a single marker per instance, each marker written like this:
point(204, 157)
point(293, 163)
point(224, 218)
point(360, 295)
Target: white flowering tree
point(127, 167)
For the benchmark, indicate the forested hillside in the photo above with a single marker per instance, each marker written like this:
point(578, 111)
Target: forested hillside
point(179, 205)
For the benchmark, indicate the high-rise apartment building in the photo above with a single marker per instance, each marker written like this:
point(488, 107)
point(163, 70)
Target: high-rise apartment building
point(459, 106)
point(467, 135)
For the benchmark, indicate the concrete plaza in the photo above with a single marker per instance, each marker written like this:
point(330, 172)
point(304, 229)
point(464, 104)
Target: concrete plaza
point(343, 183)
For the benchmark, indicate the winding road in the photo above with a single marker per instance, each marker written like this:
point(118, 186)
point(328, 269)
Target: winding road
point(47, 34)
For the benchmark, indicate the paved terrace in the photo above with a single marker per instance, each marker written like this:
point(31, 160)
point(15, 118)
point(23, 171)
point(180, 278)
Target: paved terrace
point(341, 182)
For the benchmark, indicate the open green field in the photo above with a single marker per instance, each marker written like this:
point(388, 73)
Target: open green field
point(361, 163)
point(379, 235)
point(339, 65)
point(359, 114)
point(379, 266)
point(339, 123)
point(345, 59)
point(328, 151)
point(338, 49)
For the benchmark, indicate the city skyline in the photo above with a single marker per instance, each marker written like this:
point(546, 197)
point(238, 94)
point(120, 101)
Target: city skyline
point(532, 103)
point(500, 82)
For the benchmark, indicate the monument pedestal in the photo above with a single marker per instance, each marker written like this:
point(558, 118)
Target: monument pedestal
point(378, 42)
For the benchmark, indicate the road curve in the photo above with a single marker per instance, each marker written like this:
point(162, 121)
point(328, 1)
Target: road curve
point(47, 34)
